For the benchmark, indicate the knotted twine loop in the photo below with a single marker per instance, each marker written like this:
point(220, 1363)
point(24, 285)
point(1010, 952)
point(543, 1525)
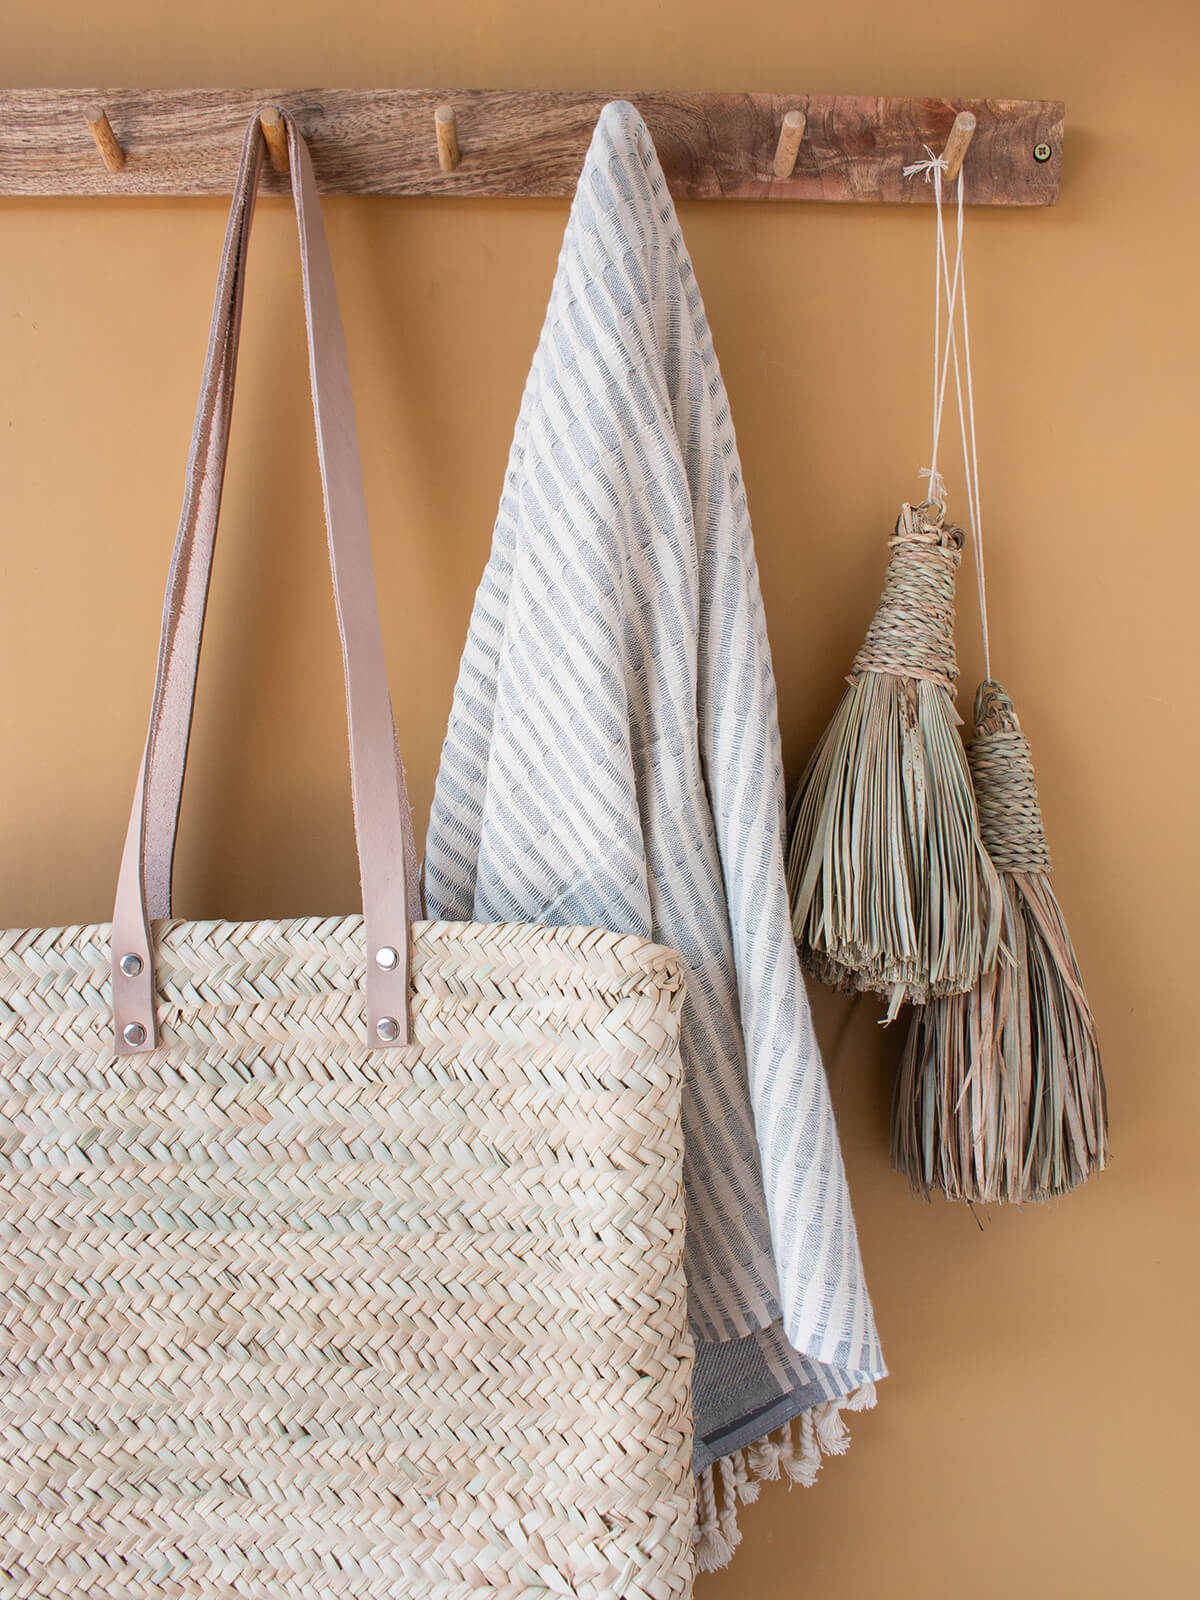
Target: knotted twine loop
point(912, 633)
point(1010, 818)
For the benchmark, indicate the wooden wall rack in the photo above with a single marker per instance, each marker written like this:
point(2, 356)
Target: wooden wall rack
point(528, 142)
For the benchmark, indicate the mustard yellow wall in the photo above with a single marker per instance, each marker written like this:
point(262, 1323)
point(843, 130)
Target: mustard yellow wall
point(1038, 1436)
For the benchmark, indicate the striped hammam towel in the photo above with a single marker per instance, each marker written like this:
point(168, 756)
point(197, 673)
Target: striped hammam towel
point(613, 759)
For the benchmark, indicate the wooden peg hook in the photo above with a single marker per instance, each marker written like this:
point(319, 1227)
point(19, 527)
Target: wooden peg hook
point(275, 133)
point(956, 145)
point(788, 148)
point(106, 140)
point(446, 124)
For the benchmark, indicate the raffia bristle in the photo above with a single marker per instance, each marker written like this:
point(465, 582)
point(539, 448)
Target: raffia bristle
point(892, 890)
point(1001, 1092)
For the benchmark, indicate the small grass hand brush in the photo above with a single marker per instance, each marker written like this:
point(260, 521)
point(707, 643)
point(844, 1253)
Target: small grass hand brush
point(1001, 1094)
point(891, 888)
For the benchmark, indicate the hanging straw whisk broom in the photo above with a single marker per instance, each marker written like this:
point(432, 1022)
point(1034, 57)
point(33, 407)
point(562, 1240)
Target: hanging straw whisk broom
point(890, 885)
point(1001, 1093)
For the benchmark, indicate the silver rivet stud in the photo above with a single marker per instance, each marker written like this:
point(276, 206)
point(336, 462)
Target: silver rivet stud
point(388, 1028)
point(1042, 152)
point(133, 1032)
point(131, 965)
point(387, 958)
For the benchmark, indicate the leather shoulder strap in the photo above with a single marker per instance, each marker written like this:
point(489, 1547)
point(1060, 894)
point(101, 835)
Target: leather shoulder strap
point(383, 820)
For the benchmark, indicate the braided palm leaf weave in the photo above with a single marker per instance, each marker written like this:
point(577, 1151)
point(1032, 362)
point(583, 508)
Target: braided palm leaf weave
point(284, 1318)
point(1001, 1093)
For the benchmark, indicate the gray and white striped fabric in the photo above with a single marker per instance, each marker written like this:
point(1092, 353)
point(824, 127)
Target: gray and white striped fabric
point(613, 759)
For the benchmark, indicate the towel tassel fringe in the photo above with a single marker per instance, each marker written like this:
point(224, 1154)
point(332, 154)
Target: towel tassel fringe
point(794, 1451)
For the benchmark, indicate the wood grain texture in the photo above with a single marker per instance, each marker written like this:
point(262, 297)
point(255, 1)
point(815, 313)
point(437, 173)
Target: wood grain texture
point(788, 148)
point(958, 144)
point(275, 134)
point(525, 142)
point(104, 138)
point(445, 125)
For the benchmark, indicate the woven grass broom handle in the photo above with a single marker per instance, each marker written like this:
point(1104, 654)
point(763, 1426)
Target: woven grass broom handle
point(383, 820)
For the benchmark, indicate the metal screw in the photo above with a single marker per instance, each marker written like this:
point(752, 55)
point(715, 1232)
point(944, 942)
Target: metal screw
point(1042, 152)
point(134, 1033)
point(388, 1028)
point(387, 958)
point(131, 965)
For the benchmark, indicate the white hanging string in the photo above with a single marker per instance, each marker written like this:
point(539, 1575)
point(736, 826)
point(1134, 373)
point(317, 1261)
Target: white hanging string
point(971, 456)
point(932, 169)
point(954, 288)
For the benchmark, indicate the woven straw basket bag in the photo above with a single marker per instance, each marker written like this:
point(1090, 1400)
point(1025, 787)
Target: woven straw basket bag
point(340, 1256)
